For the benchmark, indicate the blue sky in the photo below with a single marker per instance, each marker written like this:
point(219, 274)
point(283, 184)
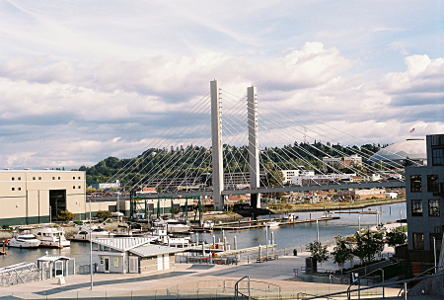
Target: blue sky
point(80, 81)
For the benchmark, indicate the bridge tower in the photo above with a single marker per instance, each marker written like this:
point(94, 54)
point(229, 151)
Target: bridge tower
point(253, 144)
point(217, 151)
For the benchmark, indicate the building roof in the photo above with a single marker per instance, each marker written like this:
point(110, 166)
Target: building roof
point(414, 149)
point(154, 250)
point(53, 258)
point(123, 244)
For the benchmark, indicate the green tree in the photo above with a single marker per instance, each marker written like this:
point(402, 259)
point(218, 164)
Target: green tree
point(395, 238)
point(341, 252)
point(318, 252)
point(368, 245)
point(65, 215)
point(104, 214)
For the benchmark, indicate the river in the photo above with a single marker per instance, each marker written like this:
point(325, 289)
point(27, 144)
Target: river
point(288, 236)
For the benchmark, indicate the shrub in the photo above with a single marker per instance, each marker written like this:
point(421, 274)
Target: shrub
point(78, 222)
point(65, 215)
point(103, 214)
point(5, 227)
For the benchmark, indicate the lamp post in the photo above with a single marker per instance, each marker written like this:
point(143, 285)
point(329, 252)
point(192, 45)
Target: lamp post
point(90, 244)
point(317, 228)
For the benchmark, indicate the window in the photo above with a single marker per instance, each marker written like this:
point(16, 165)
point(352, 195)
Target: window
point(101, 260)
point(13, 189)
point(438, 157)
point(418, 241)
point(79, 177)
point(80, 187)
point(58, 178)
point(73, 187)
point(19, 188)
point(13, 178)
point(417, 208)
point(437, 140)
point(73, 178)
point(33, 178)
point(434, 208)
point(432, 183)
point(40, 178)
point(53, 178)
point(19, 178)
point(415, 183)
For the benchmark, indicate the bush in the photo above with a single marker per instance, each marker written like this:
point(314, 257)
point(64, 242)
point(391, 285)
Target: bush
point(65, 215)
point(78, 222)
point(104, 214)
point(6, 227)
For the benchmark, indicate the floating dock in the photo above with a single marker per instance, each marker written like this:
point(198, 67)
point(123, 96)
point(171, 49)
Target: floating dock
point(255, 224)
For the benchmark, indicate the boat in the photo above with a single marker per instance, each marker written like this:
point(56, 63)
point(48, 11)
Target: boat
point(97, 233)
point(272, 223)
point(23, 238)
point(291, 217)
point(173, 226)
point(52, 237)
point(208, 224)
point(173, 241)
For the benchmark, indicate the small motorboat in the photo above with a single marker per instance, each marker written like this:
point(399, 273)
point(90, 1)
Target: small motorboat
point(96, 233)
point(52, 237)
point(23, 238)
point(272, 223)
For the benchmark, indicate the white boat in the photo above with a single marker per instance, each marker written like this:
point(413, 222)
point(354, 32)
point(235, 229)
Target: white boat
point(272, 223)
point(291, 217)
point(172, 225)
point(52, 237)
point(97, 233)
point(23, 238)
point(208, 224)
point(174, 241)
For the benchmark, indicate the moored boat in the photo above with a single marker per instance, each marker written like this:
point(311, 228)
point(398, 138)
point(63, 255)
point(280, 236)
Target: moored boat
point(23, 238)
point(52, 237)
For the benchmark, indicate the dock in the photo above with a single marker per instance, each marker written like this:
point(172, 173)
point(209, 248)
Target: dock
point(3, 250)
point(245, 250)
point(255, 224)
point(371, 212)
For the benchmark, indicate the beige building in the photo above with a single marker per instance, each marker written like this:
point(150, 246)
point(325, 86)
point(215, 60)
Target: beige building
point(36, 196)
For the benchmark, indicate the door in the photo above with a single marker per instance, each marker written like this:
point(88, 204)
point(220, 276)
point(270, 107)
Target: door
point(106, 264)
point(159, 262)
point(166, 261)
point(58, 269)
point(133, 264)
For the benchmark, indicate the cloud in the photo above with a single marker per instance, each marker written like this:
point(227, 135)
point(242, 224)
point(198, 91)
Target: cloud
point(70, 113)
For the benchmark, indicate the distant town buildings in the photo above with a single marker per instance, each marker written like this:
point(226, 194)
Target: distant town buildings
point(341, 162)
point(106, 186)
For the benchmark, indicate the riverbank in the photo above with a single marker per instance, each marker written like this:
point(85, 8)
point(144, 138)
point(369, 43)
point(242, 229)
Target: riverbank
point(334, 206)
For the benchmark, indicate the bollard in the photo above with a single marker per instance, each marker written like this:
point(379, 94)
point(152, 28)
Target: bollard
point(235, 243)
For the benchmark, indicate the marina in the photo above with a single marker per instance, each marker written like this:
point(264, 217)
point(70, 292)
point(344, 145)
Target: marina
point(289, 236)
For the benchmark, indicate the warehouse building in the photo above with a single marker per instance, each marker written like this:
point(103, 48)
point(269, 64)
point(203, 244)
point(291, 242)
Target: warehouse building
point(36, 196)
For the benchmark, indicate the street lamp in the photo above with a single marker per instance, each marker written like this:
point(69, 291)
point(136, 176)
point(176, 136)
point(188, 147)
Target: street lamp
point(90, 245)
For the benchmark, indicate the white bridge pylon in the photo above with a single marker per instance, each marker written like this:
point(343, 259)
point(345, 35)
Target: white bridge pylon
point(217, 149)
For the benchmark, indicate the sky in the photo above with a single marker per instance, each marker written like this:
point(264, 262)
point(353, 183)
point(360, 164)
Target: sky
point(84, 80)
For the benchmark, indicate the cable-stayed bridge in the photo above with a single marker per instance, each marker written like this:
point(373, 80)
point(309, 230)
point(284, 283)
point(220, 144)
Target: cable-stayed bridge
point(228, 145)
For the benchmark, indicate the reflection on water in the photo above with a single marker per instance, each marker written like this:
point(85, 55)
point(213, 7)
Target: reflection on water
point(289, 236)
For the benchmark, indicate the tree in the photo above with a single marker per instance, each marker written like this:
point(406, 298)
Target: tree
point(318, 252)
point(341, 252)
point(104, 214)
point(65, 215)
point(395, 237)
point(368, 245)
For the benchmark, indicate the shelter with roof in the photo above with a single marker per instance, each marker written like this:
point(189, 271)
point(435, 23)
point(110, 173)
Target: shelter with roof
point(132, 255)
